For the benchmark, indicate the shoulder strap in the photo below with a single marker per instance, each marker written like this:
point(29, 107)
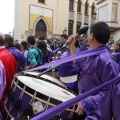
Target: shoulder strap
point(39, 54)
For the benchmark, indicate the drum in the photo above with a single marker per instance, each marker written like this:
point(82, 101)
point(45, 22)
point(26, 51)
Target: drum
point(46, 77)
point(29, 96)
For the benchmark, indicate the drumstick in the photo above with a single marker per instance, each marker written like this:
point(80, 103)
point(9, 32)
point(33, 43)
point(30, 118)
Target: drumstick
point(48, 70)
point(82, 30)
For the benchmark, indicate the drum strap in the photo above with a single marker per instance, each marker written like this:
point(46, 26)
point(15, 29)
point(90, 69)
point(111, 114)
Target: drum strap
point(39, 54)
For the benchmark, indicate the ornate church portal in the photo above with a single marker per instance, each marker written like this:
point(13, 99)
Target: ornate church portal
point(41, 29)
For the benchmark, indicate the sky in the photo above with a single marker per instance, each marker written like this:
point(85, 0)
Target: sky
point(6, 16)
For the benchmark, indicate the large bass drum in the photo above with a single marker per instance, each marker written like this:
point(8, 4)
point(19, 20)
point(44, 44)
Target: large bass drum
point(29, 96)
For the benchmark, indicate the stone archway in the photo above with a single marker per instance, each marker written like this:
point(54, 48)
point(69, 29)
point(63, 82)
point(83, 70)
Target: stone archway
point(41, 29)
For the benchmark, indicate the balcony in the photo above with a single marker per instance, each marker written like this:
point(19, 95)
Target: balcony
point(113, 26)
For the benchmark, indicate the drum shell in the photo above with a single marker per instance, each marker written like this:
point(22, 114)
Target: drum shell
point(26, 98)
point(25, 101)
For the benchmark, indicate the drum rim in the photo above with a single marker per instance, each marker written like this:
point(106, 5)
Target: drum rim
point(44, 79)
point(44, 97)
point(27, 74)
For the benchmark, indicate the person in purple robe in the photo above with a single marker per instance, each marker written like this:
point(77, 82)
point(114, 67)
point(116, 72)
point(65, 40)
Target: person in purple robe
point(69, 73)
point(117, 52)
point(56, 44)
point(2, 82)
point(116, 100)
point(84, 45)
point(96, 70)
point(19, 56)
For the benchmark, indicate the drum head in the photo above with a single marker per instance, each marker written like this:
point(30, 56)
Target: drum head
point(48, 77)
point(46, 88)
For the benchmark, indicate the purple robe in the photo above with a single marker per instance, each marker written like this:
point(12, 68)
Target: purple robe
point(46, 58)
point(19, 56)
point(83, 47)
point(64, 49)
point(2, 82)
point(96, 70)
point(56, 50)
point(68, 74)
point(118, 58)
point(56, 47)
point(116, 100)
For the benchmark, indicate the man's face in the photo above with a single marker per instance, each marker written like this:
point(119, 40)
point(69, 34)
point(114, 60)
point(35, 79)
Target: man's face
point(90, 38)
point(85, 41)
point(63, 40)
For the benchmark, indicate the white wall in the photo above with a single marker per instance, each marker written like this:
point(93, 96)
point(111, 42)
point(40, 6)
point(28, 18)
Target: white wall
point(116, 35)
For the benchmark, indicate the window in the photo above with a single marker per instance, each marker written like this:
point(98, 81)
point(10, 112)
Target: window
point(71, 4)
point(78, 26)
point(70, 28)
point(42, 1)
point(79, 6)
point(93, 9)
point(86, 7)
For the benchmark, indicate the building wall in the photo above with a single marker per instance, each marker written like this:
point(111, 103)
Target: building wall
point(59, 21)
point(115, 35)
point(17, 20)
point(109, 11)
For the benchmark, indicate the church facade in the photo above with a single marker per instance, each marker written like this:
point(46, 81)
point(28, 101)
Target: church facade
point(51, 18)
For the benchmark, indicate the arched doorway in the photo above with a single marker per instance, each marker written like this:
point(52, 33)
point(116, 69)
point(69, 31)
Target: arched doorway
point(40, 28)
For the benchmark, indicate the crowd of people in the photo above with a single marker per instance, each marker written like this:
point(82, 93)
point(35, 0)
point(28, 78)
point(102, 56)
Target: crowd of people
point(79, 75)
